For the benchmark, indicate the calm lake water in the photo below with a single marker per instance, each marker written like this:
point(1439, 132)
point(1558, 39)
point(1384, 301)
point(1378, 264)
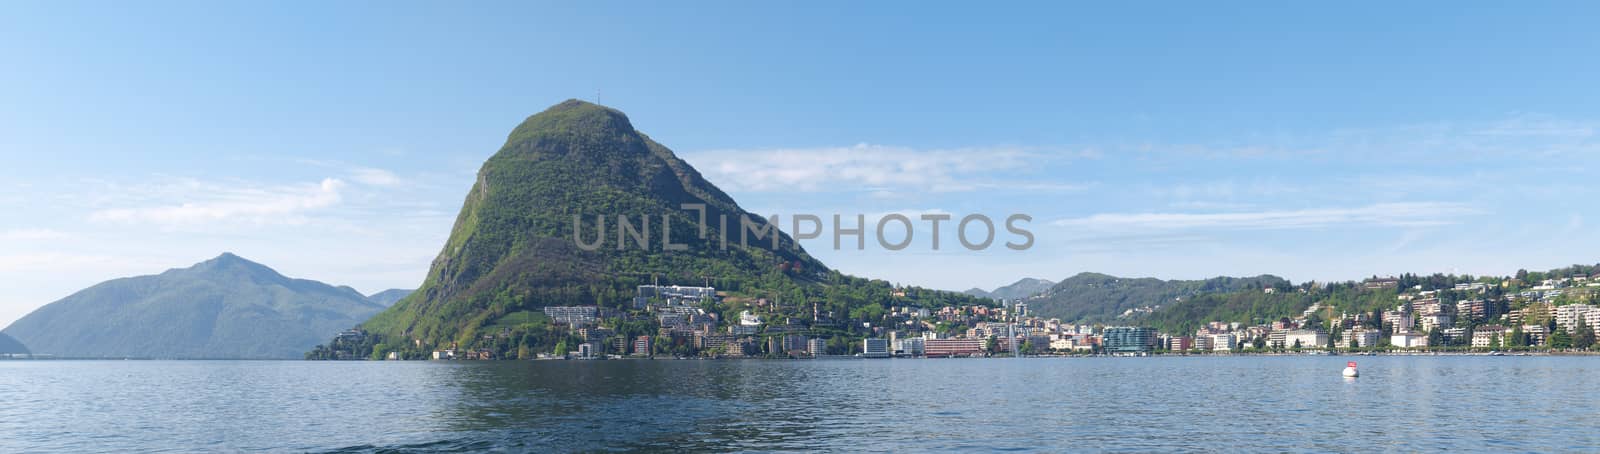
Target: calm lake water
point(1100, 404)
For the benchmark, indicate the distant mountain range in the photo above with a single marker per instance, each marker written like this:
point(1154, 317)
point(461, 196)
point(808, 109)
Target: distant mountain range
point(1021, 289)
point(1095, 297)
point(226, 307)
point(388, 297)
point(10, 346)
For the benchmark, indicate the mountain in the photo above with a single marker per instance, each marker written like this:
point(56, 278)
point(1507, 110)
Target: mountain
point(512, 248)
point(1017, 290)
point(226, 307)
point(10, 346)
point(1095, 297)
point(388, 297)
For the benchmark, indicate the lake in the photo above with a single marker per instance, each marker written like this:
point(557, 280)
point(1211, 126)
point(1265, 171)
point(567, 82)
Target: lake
point(901, 405)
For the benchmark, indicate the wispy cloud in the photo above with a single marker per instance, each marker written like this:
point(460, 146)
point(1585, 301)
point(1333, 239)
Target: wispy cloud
point(1384, 214)
point(209, 202)
point(877, 166)
point(374, 177)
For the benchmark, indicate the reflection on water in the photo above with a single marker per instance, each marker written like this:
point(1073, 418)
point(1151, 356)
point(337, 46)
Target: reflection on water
point(1130, 404)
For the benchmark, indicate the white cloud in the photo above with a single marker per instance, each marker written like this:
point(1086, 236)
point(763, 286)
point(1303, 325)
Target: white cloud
point(877, 166)
point(207, 202)
point(374, 177)
point(1383, 214)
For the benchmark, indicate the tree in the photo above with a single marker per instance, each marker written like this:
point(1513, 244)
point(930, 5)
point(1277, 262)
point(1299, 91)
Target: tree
point(1297, 344)
point(561, 348)
point(1560, 339)
point(1584, 337)
point(1518, 338)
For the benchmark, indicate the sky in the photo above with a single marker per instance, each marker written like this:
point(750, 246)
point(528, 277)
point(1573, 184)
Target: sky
point(336, 141)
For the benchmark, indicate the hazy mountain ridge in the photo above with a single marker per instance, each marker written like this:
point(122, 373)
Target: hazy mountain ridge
point(9, 345)
point(227, 307)
point(388, 297)
point(1095, 297)
point(1022, 288)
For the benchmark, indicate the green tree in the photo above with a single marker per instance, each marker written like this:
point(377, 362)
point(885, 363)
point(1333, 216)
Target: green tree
point(1561, 340)
point(1584, 337)
point(561, 348)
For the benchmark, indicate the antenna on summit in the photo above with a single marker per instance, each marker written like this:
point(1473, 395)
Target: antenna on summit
point(597, 96)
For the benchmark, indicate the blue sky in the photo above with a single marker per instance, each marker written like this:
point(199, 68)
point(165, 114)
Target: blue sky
point(336, 141)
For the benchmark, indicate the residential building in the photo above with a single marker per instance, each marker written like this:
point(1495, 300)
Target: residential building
point(875, 348)
point(944, 348)
point(1537, 334)
point(571, 315)
point(817, 347)
point(641, 346)
point(1127, 339)
point(1409, 339)
point(1435, 321)
point(1306, 338)
point(911, 346)
point(1363, 338)
point(1569, 316)
point(1476, 309)
point(1224, 342)
point(1180, 343)
point(1277, 338)
point(1488, 336)
point(1399, 319)
point(794, 344)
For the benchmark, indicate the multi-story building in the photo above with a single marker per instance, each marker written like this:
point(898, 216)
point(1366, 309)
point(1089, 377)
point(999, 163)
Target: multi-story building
point(1362, 338)
point(1127, 339)
point(1180, 343)
point(713, 342)
point(794, 344)
point(1537, 334)
point(817, 347)
point(571, 315)
point(673, 294)
point(911, 346)
point(1399, 319)
point(1488, 336)
point(1275, 339)
point(1408, 339)
point(875, 348)
point(1435, 321)
point(1535, 313)
point(1569, 316)
point(1306, 338)
point(641, 346)
point(945, 348)
point(1224, 342)
point(1475, 309)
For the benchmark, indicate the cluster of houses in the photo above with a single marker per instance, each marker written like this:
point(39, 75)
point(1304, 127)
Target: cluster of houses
point(1419, 319)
